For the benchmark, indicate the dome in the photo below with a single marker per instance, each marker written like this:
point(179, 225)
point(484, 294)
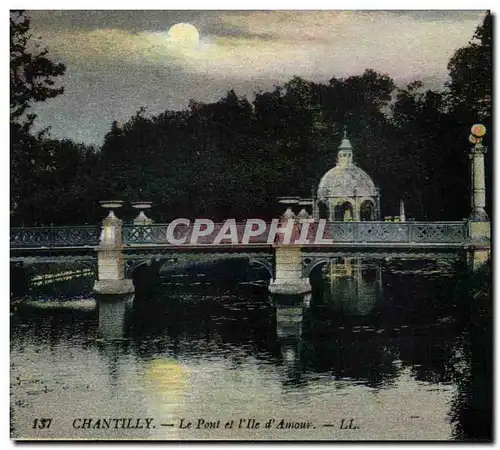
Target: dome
point(346, 182)
point(346, 179)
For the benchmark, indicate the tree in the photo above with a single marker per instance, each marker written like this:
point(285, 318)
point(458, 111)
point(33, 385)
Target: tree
point(470, 72)
point(31, 80)
point(31, 73)
point(431, 171)
point(470, 91)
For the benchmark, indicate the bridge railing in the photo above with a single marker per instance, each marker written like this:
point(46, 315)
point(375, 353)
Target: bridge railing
point(397, 232)
point(157, 234)
point(339, 232)
point(55, 236)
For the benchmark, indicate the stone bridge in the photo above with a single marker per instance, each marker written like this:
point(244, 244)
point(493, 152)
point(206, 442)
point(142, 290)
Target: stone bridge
point(114, 250)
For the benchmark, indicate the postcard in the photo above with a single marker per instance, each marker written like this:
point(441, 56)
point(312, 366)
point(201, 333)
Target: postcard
point(251, 225)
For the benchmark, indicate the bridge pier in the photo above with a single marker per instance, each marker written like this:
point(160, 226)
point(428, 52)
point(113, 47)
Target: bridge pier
point(479, 246)
point(288, 278)
point(110, 261)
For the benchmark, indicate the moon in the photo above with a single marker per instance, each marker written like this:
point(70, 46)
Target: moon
point(184, 35)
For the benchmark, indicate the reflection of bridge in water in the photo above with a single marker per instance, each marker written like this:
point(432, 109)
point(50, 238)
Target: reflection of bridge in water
point(352, 285)
point(114, 250)
point(360, 311)
point(353, 291)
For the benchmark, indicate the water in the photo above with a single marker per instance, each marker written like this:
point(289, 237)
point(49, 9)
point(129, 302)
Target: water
point(385, 349)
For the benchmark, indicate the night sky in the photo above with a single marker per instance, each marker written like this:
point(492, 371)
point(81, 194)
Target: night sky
point(118, 61)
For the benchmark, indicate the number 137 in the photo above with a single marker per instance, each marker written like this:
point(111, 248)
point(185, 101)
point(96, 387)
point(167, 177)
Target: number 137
point(42, 423)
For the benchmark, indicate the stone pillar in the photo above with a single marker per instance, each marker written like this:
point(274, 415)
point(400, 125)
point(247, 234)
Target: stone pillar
point(402, 215)
point(471, 157)
point(288, 272)
point(478, 246)
point(377, 206)
point(479, 226)
point(356, 209)
point(110, 262)
point(479, 185)
point(315, 209)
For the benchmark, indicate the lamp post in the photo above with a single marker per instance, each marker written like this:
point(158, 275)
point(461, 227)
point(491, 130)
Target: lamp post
point(477, 153)
point(479, 228)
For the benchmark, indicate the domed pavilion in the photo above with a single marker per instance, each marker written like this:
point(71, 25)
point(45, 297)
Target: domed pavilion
point(347, 192)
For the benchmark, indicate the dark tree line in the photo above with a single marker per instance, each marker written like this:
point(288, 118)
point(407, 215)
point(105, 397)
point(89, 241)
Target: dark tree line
point(232, 158)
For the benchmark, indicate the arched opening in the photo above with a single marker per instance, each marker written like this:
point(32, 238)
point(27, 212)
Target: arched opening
point(323, 210)
point(343, 212)
point(315, 273)
point(216, 270)
point(262, 270)
point(146, 278)
point(367, 211)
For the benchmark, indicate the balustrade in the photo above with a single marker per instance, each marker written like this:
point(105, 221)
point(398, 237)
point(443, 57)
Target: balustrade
point(54, 236)
point(157, 234)
point(338, 232)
